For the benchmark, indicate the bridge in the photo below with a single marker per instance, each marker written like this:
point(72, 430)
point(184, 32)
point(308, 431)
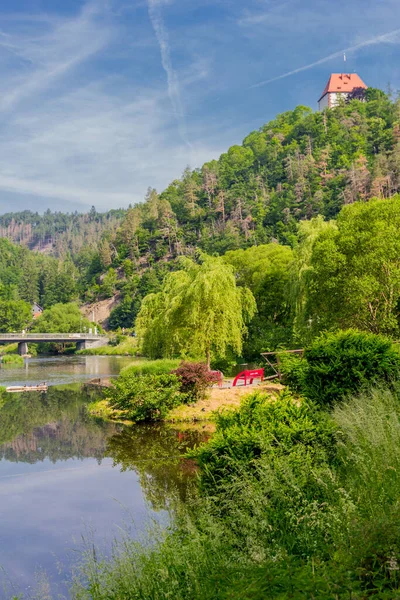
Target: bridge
point(82, 340)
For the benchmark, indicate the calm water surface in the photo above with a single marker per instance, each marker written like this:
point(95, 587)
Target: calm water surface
point(64, 474)
point(59, 370)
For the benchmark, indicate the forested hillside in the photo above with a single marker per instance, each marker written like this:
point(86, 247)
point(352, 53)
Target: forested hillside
point(300, 165)
point(269, 208)
point(33, 277)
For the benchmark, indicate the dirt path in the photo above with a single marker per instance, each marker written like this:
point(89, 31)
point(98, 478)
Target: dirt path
point(219, 398)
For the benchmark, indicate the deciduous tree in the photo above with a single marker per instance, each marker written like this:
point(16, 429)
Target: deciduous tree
point(199, 311)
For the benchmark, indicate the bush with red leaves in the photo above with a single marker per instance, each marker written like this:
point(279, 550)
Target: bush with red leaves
point(195, 379)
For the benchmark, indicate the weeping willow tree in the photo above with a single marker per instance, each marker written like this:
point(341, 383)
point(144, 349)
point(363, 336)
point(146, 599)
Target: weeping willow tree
point(199, 311)
point(304, 329)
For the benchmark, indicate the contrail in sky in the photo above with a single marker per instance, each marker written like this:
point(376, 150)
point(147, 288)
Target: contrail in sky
point(172, 77)
point(386, 37)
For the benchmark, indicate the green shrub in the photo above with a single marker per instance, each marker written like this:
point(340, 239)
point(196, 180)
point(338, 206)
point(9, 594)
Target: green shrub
point(294, 370)
point(195, 378)
point(146, 398)
point(344, 363)
point(151, 367)
point(262, 426)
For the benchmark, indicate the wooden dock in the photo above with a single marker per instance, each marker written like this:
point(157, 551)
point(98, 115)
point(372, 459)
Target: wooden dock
point(40, 387)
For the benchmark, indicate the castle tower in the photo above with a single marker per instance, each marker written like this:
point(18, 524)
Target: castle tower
point(340, 85)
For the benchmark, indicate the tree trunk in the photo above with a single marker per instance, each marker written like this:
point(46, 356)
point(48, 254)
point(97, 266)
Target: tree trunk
point(208, 356)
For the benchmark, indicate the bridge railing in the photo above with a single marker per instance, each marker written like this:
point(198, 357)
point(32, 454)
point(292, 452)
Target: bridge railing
point(51, 336)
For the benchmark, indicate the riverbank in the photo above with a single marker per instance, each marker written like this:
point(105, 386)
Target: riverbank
point(127, 346)
point(217, 399)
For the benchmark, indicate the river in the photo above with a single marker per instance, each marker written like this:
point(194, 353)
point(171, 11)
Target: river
point(66, 476)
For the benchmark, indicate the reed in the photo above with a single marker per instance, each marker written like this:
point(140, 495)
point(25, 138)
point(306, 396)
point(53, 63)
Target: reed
point(13, 360)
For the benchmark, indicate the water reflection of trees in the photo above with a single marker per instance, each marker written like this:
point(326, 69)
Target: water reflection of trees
point(55, 426)
point(156, 453)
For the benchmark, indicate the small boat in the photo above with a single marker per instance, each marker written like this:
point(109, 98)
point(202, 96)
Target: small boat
point(40, 387)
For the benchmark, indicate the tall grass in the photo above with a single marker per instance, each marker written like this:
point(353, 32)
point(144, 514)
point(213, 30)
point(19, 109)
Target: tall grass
point(369, 453)
point(127, 347)
point(14, 360)
point(150, 367)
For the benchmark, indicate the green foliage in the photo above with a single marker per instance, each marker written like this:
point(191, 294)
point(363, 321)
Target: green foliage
point(65, 318)
point(304, 517)
point(15, 315)
point(354, 277)
point(369, 428)
point(124, 314)
point(294, 370)
point(344, 363)
point(297, 166)
point(305, 321)
point(266, 427)
point(265, 270)
point(65, 231)
point(300, 166)
point(33, 277)
point(199, 310)
point(109, 283)
point(146, 398)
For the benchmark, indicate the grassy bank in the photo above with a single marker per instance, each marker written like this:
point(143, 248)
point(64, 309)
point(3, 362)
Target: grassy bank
point(8, 349)
point(13, 349)
point(150, 367)
point(12, 360)
point(295, 502)
point(217, 399)
point(127, 347)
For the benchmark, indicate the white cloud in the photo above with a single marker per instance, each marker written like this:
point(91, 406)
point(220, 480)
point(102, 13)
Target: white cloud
point(172, 76)
point(51, 55)
point(94, 149)
point(72, 134)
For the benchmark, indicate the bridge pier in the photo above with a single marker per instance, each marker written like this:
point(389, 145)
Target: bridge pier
point(85, 344)
point(22, 348)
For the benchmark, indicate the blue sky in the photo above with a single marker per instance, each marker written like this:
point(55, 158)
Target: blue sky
point(101, 99)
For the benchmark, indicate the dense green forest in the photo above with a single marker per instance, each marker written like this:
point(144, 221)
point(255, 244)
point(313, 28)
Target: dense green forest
point(290, 211)
point(35, 277)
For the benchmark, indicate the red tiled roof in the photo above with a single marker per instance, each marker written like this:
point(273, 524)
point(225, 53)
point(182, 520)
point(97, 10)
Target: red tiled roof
point(343, 82)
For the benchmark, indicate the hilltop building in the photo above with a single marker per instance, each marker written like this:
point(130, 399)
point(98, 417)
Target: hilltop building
point(340, 85)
